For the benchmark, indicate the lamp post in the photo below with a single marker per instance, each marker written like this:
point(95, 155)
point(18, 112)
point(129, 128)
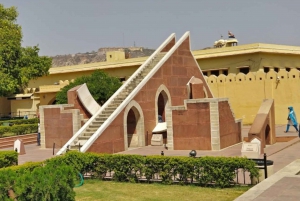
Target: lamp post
point(193, 153)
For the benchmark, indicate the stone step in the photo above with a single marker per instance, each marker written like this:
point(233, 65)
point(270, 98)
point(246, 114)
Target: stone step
point(81, 138)
point(96, 123)
point(92, 129)
point(94, 126)
point(87, 133)
point(110, 108)
point(108, 112)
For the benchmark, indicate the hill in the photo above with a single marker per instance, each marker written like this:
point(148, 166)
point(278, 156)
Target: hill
point(99, 56)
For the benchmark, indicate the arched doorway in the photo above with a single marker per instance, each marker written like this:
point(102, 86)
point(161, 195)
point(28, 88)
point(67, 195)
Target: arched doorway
point(161, 105)
point(267, 135)
point(132, 119)
point(134, 135)
point(164, 114)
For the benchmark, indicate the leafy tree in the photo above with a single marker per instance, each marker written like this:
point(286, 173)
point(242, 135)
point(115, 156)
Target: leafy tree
point(100, 84)
point(18, 65)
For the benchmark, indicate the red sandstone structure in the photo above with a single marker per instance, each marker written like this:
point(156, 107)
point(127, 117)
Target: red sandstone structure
point(170, 86)
point(263, 127)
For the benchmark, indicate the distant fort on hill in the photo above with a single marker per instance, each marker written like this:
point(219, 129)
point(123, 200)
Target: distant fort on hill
point(98, 56)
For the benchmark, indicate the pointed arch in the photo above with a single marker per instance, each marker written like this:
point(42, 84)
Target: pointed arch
point(133, 122)
point(163, 94)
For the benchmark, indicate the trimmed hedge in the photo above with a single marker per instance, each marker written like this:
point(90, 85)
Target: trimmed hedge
point(54, 178)
point(8, 158)
point(21, 121)
point(204, 171)
point(19, 129)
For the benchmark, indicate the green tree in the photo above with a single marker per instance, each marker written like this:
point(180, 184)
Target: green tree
point(18, 65)
point(100, 84)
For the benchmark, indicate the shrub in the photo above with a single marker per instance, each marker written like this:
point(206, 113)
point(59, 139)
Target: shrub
point(101, 86)
point(219, 171)
point(49, 183)
point(19, 129)
point(22, 121)
point(38, 181)
point(8, 158)
point(4, 129)
point(7, 178)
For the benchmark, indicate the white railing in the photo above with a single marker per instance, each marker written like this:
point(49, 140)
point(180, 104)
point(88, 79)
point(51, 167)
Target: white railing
point(135, 91)
point(82, 129)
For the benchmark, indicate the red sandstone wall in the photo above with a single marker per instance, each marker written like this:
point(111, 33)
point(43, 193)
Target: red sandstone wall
point(73, 99)
point(230, 132)
point(112, 139)
point(58, 127)
point(169, 46)
point(191, 127)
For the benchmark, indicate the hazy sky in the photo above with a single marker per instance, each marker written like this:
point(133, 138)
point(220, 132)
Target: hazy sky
point(72, 26)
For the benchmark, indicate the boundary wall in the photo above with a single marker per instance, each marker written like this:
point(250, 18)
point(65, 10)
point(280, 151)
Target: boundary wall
point(246, 92)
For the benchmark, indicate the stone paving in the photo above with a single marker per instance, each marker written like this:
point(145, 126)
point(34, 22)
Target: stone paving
point(34, 153)
point(283, 185)
point(283, 153)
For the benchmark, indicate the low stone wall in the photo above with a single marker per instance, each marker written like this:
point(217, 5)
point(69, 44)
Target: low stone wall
point(9, 141)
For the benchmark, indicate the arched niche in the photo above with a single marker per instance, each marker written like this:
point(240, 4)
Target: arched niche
point(163, 94)
point(134, 128)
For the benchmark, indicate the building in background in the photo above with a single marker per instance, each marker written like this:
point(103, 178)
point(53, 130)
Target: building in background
point(246, 74)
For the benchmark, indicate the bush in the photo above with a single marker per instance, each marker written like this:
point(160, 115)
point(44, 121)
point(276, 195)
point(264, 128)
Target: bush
point(54, 178)
point(49, 183)
point(7, 178)
point(38, 181)
point(22, 121)
point(101, 86)
point(219, 171)
point(8, 158)
point(4, 129)
point(19, 129)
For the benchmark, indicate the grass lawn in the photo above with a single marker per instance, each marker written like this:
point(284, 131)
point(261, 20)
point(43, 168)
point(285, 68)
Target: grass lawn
point(115, 191)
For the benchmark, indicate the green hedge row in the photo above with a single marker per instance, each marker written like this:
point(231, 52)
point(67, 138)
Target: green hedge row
point(19, 129)
point(8, 158)
point(54, 179)
point(21, 121)
point(220, 171)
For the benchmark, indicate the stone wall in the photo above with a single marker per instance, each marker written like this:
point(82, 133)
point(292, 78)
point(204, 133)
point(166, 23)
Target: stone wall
point(246, 92)
point(191, 127)
point(58, 123)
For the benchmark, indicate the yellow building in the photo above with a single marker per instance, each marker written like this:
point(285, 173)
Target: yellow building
point(246, 74)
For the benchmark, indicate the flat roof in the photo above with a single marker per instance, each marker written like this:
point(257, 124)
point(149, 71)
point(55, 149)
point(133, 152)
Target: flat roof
point(246, 49)
point(198, 54)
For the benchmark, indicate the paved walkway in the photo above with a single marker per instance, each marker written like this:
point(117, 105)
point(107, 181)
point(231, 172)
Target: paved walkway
point(34, 153)
point(281, 186)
